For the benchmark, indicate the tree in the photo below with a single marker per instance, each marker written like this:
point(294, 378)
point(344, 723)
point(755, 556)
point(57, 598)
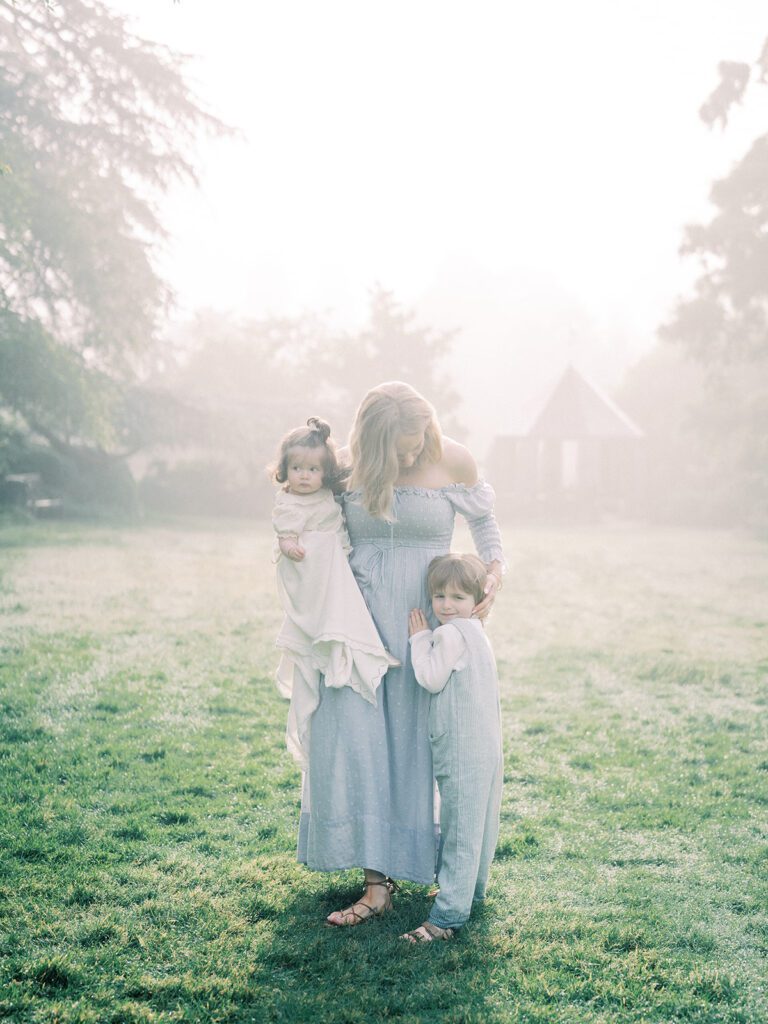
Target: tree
point(253, 380)
point(249, 381)
point(726, 320)
point(95, 124)
point(724, 324)
point(393, 346)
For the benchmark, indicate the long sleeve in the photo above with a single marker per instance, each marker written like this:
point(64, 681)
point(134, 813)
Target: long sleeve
point(435, 655)
point(476, 505)
point(288, 517)
point(292, 514)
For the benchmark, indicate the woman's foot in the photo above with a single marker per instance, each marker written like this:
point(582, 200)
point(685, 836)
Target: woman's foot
point(376, 900)
point(428, 932)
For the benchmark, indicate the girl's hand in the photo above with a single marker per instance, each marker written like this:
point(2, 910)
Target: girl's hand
point(417, 622)
point(291, 548)
point(492, 587)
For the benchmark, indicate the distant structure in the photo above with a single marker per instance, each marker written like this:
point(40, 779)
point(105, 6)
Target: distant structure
point(581, 457)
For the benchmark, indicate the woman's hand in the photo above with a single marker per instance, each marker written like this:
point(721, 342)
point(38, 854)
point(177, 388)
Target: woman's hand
point(417, 622)
point(291, 548)
point(492, 587)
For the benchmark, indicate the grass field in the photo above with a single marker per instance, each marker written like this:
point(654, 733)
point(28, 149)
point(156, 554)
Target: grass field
point(149, 808)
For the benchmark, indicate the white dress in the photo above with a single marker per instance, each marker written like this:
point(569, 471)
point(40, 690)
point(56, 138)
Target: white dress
point(327, 631)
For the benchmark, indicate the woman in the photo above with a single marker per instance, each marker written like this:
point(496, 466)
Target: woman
point(368, 795)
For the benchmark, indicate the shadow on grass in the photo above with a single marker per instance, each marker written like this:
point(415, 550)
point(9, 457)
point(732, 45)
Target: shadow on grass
point(354, 974)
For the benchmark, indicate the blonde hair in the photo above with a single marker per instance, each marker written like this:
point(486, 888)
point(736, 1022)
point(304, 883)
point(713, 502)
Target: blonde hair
point(388, 412)
point(466, 572)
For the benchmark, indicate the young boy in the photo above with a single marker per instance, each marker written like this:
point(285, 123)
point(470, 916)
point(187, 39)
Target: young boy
point(456, 665)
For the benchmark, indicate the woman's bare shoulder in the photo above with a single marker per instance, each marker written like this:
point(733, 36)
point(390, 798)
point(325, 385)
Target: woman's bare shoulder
point(459, 462)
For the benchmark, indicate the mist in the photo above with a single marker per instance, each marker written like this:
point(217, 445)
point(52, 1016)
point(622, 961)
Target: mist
point(519, 179)
point(220, 220)
point(520, 182)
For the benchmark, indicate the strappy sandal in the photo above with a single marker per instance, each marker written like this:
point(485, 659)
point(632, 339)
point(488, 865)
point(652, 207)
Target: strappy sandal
point(428, 933)
point(391, 887)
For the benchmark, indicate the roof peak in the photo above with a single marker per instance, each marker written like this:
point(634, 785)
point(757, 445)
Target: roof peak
point(578, 408)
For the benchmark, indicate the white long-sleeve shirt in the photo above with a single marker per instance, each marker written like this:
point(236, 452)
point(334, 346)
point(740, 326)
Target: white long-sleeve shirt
point(435, 655)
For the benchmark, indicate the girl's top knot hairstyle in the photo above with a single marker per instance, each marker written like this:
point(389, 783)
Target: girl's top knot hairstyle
point(387, 413)
point(320, 427)
point(465, 572)
point(316, 434)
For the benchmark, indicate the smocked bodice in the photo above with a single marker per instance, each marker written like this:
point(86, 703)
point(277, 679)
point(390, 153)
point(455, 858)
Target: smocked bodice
point(423, 517)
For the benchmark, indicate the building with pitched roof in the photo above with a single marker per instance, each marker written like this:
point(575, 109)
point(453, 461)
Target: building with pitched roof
point(581, 455)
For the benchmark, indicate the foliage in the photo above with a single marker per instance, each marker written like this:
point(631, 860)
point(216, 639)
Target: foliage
point(723, 326)
point(393, 346)
point(668, 394)
point(248, 381)
point(94, 124)
point(253, 380)
point(50, 387)
point(726, 320)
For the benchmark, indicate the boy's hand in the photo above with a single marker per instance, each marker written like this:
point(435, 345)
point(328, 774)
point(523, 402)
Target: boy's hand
point(291, 548)
point(417, 622)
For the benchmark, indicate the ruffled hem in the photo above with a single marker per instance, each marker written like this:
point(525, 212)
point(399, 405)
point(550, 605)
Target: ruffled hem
point(317, 657)
point(495, 553)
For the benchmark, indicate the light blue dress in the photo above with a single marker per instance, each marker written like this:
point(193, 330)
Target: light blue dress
point(367, 798)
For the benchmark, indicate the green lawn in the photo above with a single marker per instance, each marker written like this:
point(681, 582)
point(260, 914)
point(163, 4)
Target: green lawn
point(149, 808)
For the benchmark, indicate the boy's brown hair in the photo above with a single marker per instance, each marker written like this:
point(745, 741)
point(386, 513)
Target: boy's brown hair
point(466, 572)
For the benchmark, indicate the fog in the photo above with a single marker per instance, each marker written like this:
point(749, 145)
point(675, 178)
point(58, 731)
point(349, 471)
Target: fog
point(471, 198)
point(521, 173)
point(551, 220)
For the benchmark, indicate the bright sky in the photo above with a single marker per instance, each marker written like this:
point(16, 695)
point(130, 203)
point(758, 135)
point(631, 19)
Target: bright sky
point(523, 149)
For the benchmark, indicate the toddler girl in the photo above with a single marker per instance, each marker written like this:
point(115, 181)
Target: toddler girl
point(456, 664)
point(327, 628)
